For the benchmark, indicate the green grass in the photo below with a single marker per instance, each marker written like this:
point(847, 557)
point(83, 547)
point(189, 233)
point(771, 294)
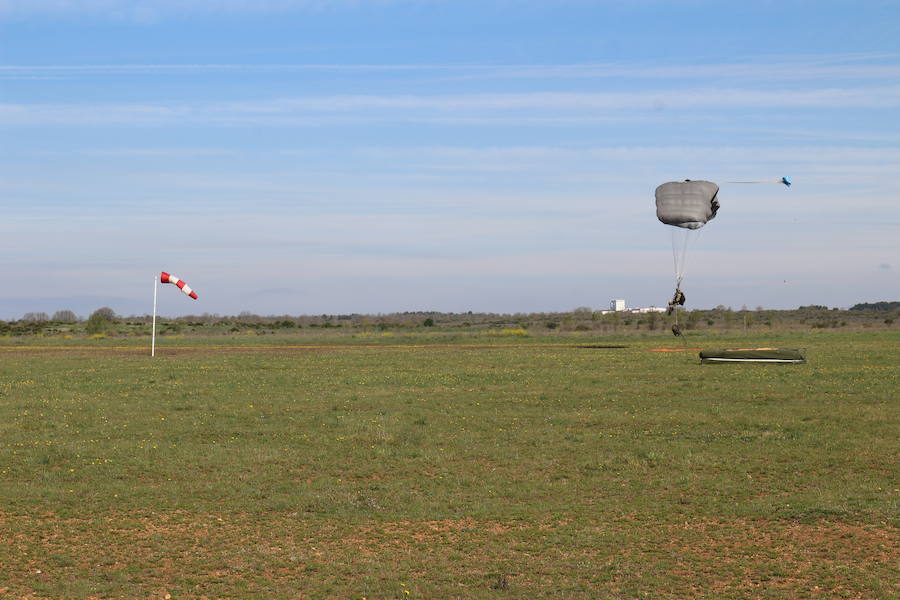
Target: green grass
point(448, 466)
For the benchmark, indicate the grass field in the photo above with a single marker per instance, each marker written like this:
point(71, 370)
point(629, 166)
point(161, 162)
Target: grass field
point(449, 466)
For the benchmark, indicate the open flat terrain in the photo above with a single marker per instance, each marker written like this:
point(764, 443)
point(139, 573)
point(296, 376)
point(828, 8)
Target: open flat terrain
point(449, 466)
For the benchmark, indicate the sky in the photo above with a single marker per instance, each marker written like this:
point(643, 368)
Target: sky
point(376, 156)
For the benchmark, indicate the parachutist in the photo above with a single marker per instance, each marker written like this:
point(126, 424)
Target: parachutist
point(677, 300)
point(676, 330)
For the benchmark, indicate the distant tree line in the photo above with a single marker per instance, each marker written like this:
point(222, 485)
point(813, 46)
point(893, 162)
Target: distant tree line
point(105, 321)
point(883, 305)
point(60, 316)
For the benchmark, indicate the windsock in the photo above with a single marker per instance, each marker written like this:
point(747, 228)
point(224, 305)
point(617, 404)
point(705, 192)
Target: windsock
point(166, 278)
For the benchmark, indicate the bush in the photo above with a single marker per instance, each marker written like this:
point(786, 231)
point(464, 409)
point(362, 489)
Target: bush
point(106, 313)
point(99, 321)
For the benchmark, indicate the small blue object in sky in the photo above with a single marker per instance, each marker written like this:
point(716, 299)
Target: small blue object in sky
point(786, 181)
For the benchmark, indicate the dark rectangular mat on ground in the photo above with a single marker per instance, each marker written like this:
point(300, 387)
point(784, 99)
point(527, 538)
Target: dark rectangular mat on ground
point(756, 355)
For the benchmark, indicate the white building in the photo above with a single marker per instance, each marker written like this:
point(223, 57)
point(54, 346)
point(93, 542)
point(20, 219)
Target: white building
point(649, 309)
point(616, 306)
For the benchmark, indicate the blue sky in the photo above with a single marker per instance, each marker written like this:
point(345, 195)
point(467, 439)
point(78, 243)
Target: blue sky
point(308, 157)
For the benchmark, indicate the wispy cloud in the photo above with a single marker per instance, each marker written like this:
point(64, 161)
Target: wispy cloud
point(828, 67)
point(153, 10)
point(510, 106)
point(529, 155)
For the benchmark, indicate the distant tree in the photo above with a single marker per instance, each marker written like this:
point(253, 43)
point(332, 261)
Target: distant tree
point(429, 322)
point(35, 317)
point(100, 320)
point(65, 316)
point(105, 312)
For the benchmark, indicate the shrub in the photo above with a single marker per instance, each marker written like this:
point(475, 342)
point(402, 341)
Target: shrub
point(106, 312)
point(100, 321)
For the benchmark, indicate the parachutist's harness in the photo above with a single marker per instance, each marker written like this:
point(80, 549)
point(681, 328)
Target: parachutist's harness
point(677, 300)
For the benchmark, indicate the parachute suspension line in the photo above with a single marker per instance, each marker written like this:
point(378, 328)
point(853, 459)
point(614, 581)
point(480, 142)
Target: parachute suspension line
point(679, 258)
point(679, 253)
point(682, 241)
point(786, 181)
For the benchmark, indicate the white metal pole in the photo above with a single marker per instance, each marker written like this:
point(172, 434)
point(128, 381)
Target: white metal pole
point(153, 327)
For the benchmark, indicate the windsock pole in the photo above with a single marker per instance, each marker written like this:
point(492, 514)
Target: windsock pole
point(153, 327)
point(181, 285)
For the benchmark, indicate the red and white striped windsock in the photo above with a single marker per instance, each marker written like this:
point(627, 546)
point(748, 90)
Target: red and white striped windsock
point(166, 278)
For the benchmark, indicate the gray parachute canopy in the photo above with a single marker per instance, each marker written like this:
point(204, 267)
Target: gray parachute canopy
point(688, 204)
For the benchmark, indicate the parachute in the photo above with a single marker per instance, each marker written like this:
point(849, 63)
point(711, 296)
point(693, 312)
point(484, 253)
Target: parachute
point(686, 206)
